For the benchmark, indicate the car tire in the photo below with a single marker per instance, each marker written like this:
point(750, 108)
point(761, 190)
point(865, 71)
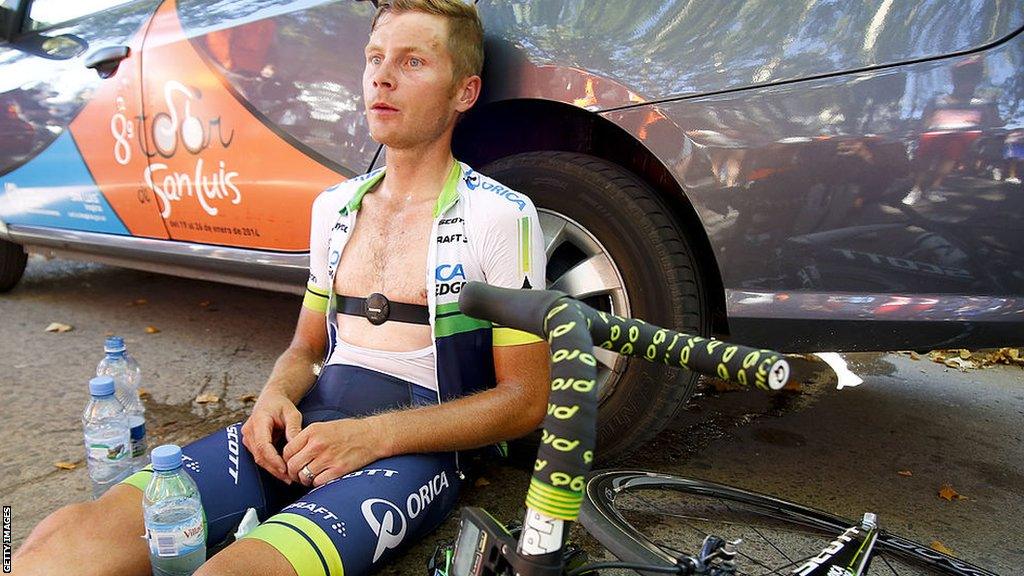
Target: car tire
point(611, 209)
point(12, 264)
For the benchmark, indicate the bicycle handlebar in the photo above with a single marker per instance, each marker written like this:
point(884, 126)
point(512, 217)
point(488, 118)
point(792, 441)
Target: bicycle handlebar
point(571, 328)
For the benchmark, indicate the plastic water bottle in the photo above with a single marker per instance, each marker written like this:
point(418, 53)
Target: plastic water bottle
point(175, 526)
point(127, 375)
point(107, 438)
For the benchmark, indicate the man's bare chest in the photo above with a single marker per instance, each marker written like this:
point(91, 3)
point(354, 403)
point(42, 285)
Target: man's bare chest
point(387, 253)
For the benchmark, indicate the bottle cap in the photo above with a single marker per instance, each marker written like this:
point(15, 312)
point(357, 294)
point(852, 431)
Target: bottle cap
point(101, 386)
point(166, 457)
point(114, 344)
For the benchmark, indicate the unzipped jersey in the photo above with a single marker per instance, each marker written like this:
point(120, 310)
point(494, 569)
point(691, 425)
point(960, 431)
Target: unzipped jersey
point(482, 230)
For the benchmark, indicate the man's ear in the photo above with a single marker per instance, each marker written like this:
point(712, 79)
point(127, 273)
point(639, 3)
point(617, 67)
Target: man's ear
point(466, 93)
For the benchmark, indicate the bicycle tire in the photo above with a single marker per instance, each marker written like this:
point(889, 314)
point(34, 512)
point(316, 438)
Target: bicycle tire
point(607, 494)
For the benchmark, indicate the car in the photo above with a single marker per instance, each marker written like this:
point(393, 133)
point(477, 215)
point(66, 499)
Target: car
point(802, 176)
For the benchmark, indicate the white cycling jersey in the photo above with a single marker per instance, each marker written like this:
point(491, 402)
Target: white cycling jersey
point(482, 231)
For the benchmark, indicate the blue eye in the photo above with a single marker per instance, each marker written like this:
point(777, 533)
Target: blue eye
point(415, 62)
point(375, 60)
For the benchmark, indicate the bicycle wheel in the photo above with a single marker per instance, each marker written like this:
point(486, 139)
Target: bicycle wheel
point(653, 518)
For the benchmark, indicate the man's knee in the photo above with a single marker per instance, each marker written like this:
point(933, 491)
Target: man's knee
point(73, 518)
point(117, 512)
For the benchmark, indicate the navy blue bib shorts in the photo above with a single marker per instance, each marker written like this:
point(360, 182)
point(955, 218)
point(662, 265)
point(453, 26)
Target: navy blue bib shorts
point(350, 525)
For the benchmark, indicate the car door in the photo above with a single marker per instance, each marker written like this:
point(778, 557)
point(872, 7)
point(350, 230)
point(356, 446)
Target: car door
point(68, 159)
point(253, 107)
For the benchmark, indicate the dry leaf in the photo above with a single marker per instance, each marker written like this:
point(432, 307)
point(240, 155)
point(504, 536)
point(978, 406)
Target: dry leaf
point(58, 327)
point(248, 398)
point(143, 393)
point(65, 465)
point(204, 303)
point(940, 547)
point(905, 473)
point(480, 482)
point(958, 363)
point(207, 398)
point(152, 330)
point(965, 354)
point(947, 493)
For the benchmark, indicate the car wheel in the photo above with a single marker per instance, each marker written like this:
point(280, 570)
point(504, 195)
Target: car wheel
point(611, 242)
point(12, 264)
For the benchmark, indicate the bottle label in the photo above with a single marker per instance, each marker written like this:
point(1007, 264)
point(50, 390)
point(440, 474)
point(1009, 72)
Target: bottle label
point(177, 540)
point(139, 447)
point(100, 452)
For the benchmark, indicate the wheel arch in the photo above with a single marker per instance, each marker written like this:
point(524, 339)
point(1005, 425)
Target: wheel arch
point(497, 129)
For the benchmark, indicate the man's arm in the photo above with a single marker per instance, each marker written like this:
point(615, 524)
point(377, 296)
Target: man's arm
point(293, 374)
point(275, 410)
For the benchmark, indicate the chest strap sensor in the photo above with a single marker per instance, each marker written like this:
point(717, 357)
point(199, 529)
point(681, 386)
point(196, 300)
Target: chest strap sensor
point(378, 309)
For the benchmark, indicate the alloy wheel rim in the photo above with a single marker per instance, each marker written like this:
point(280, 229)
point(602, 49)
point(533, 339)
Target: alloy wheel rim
point(592, 277)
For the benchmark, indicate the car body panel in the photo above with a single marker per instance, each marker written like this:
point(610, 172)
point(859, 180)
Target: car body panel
point(798, 151)
point(44, 177)
point(219, 175)
point(637, 49)
point(297, 66)
point(804, 191)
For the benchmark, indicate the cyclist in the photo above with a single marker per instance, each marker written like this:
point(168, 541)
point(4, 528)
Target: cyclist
point(345, 467)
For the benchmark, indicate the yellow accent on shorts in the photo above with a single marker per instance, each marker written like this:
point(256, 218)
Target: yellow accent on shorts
point(282, 531)
point(140, 479)
point(502, 336)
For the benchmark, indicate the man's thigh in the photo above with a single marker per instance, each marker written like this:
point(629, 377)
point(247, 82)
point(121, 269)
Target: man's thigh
point(362, 519)
point(229, 482)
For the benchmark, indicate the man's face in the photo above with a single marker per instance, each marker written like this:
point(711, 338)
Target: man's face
point(407, 82)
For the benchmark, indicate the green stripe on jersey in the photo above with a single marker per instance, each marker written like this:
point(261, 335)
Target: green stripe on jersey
point(457, 324)
point(450, 192)
point(445, 309)
point(524, 245)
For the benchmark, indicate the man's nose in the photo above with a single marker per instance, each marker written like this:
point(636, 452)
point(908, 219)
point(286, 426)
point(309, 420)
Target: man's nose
point(383, 76)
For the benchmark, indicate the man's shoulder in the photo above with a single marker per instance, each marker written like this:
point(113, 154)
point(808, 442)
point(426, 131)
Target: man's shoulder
point(488, 199)
point(333, 198)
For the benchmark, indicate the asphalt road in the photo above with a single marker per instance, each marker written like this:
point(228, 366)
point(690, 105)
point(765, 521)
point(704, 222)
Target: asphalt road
point(837, 450)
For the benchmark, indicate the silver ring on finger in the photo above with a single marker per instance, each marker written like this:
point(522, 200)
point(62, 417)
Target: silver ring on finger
point(307, 473)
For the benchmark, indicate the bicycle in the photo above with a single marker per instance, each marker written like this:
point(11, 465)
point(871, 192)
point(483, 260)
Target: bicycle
point(562, 490)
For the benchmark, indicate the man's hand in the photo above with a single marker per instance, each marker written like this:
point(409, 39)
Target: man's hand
point(332, 449)
point(272, 414)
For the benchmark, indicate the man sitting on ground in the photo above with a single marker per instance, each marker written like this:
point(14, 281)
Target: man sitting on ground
point(346, 467)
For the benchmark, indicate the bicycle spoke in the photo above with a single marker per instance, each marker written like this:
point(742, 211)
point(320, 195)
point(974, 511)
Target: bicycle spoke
point(754, 528)
point(886, 560)
point(659, 510)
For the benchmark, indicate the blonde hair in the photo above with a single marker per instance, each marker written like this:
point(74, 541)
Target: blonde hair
point(465, 31)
